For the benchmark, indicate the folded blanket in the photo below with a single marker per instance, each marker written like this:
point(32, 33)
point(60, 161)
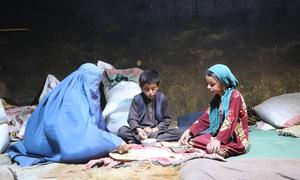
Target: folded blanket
point(17, 118)
point(293, 131)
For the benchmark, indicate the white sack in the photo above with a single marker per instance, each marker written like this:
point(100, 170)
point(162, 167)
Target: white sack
point(4, 137)
point(119, 99)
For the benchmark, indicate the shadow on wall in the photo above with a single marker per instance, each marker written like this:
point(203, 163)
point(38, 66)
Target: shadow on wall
point(258, 40)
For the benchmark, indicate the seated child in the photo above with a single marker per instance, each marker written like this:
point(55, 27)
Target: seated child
point(226, 119)
point(149, 115)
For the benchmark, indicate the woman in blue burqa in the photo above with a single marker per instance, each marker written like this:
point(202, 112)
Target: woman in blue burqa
point(68, 125)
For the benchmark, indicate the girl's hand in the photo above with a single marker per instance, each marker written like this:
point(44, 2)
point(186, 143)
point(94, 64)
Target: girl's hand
point(185, 137)
point(213, 146)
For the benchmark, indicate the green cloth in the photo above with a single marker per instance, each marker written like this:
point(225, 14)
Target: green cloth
point(268, 144)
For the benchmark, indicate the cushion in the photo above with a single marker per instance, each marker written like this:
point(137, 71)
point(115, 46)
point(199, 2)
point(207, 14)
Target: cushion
point(280, 111)
point(185, 121)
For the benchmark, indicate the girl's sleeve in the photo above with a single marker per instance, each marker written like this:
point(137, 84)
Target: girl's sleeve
point(201, 124)
point(230, 122)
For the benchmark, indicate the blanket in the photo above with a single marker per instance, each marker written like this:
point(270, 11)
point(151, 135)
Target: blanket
point(293, 131)
point(163, 153)
point(270, 157)
point(241, 169)
point(17, 118)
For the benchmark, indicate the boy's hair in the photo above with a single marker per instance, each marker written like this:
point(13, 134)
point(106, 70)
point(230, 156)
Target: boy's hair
point(149, 76)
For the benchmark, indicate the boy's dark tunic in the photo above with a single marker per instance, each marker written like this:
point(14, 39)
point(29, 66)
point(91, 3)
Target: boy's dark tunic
point(146, 113)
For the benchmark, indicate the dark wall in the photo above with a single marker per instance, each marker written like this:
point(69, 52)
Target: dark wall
point(258, 40)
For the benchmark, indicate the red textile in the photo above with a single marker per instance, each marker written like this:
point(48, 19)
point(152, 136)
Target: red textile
point(232, 133)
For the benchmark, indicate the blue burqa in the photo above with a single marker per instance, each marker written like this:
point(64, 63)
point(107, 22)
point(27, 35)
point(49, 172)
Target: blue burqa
point(67, 125)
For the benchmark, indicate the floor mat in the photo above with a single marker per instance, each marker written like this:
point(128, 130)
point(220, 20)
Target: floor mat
point(269, 144)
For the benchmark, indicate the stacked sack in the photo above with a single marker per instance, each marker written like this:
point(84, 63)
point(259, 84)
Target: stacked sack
point(120, 86)
point(4, 134)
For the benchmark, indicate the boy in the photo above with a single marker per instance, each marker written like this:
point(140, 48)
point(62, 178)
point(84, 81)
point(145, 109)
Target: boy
point(149, 115)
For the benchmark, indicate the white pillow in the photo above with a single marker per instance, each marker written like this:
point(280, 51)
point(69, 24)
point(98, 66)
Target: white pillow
point(280, 111)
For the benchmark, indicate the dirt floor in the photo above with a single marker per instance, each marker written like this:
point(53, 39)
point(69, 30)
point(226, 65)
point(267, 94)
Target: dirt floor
point(143, 170)
point(137, 171)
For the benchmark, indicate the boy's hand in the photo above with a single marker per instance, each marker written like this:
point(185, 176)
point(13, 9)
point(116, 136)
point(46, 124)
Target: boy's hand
point(155, 129)
point(142, 133)
point(148, 130)
point(151, 130)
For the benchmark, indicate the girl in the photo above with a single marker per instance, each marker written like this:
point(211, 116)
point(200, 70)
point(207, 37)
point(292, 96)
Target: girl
point(226, 119)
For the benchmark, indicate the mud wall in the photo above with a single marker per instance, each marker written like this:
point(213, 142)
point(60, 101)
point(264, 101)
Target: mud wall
point(258, 40)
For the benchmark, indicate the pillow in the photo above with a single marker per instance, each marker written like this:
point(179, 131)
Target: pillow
point(185, 121)
point(280, 111)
